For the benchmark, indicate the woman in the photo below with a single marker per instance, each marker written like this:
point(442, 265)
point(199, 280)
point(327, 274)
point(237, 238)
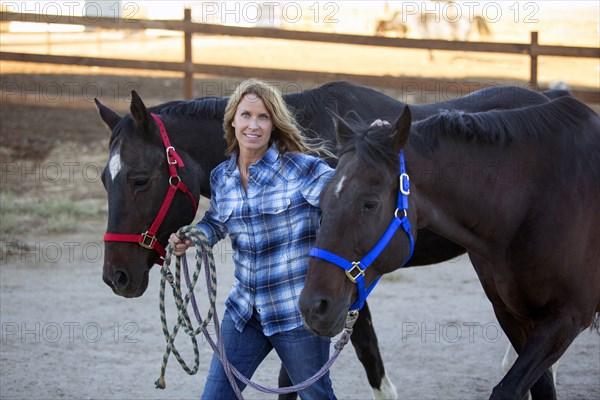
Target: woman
point(266, 198)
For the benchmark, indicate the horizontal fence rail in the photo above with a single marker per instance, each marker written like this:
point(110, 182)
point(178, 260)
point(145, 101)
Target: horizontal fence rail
point(188, 68)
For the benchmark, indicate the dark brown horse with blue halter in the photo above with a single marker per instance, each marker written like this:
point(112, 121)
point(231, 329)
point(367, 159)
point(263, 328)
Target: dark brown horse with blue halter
point(160, 161)
point(529, 217)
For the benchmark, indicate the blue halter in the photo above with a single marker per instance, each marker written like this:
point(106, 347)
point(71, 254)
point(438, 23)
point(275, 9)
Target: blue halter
point(355, 270)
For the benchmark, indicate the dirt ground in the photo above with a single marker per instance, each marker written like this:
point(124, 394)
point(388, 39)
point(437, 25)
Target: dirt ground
point(64, 334)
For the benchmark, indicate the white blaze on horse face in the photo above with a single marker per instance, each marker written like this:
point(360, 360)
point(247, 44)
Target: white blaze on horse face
point(114, 165)
point(339, 186)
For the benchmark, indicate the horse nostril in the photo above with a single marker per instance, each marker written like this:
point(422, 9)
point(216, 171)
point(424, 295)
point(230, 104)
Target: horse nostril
point(315, 309)
point(321, 307)
point(120, 280)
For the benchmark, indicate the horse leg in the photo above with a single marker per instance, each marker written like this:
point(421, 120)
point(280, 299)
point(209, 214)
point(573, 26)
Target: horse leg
point(365, 344)
point(509, 359)
point(544, 387)
point(547, 342)
point(524, 372)
point(517, 335)
point(510, 356)
point(285, 381)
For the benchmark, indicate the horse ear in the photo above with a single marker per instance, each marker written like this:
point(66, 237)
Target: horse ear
point(110, 118)
point(139, 112)
point(401, 129)
point(343, 131)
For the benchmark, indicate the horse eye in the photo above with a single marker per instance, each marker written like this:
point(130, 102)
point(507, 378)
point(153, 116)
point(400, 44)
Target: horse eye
point(370, 206)
point(140, 182)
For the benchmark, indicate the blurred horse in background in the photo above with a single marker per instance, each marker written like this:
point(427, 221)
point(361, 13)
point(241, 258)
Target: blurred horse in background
point(434, 26)
point(447, 23)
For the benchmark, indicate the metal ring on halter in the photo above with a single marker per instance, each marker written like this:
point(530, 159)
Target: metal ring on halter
point(171, 182)
point(396, 213)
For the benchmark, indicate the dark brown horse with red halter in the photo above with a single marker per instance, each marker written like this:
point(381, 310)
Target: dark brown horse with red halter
point(160, 160)
point(529, 219)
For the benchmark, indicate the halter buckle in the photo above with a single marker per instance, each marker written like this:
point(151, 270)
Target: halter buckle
point(145, 243)
point(349, 272)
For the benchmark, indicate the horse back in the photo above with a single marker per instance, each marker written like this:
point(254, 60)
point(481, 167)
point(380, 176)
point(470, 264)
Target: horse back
point(344, 98)
point(494, 97)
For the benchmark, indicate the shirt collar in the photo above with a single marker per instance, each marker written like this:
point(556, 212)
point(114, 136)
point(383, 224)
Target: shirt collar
point(270, 157)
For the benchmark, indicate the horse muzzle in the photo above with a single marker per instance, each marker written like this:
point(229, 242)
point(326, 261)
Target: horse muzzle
point(122, 284)
point(126, 276)
point(320, 315)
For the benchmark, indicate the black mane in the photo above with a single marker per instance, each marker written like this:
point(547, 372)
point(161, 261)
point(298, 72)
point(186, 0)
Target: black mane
point(205, 107)
point(501, 127)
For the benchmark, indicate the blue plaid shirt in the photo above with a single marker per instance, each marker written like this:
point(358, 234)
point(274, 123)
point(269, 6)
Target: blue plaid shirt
point(272, 228)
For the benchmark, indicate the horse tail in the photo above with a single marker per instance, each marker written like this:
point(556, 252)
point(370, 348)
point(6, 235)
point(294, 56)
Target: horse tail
point(483, 27)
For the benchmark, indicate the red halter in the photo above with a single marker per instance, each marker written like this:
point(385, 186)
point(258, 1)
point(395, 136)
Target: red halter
point(148, 239)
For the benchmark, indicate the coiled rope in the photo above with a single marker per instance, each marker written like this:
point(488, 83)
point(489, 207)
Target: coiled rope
point(205, 257)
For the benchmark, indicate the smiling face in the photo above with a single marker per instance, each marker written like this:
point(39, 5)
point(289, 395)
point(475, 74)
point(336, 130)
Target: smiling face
point(253, 126)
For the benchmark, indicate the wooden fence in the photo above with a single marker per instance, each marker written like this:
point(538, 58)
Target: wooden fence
point(533, 50)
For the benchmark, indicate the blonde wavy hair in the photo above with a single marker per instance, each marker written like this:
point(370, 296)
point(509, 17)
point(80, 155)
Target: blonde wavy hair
point(286, 133)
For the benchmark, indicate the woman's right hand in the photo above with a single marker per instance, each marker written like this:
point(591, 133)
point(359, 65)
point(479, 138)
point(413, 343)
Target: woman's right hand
point(179, 246)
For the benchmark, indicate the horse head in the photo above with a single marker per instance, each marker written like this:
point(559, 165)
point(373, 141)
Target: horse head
point(140, 174)
point(357, 206)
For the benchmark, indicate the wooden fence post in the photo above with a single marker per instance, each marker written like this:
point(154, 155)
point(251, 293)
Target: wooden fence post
point(188, 77)
point(533, 66)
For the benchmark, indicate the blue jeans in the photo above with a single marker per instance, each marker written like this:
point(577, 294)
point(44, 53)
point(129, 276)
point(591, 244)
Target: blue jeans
point(301, 352)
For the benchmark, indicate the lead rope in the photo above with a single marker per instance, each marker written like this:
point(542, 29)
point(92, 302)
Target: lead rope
point(204, 256)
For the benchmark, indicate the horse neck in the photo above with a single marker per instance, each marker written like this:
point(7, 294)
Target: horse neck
point(202, 139)
point(445, 197)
